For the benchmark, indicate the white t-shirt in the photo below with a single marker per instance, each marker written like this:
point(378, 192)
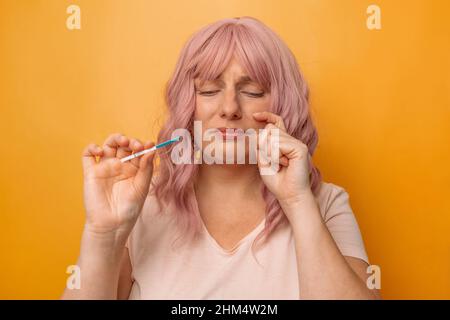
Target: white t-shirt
point(202, 269)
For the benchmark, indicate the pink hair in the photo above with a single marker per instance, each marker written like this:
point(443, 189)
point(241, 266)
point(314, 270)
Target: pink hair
point(205, 55)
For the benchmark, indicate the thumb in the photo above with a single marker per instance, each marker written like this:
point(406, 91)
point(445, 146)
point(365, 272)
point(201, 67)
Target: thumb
point(145, 171)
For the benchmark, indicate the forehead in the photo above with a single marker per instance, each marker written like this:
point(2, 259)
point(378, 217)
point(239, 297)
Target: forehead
point(234, 71)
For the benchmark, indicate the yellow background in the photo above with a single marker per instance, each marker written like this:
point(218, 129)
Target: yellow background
point(380, 100)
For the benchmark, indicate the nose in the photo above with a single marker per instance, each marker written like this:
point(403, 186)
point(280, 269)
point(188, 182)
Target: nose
point(230, 109)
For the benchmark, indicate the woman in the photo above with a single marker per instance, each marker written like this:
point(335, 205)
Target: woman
point(222, 231)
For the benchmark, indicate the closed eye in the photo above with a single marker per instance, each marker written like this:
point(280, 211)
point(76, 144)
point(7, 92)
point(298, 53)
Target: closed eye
point(208, 93)
point(255, 95)
point(251, 94)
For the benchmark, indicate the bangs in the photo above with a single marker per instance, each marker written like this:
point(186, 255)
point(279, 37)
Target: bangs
point(232, 40)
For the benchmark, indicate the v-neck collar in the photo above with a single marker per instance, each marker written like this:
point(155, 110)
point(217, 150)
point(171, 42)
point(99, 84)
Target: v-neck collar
point(216, 246)
point(229, 252)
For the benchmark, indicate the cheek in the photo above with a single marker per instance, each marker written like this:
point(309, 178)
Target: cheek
point(203, 111)
point(258, 105)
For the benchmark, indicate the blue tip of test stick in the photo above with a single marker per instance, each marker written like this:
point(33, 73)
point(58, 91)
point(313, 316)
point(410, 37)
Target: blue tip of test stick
point(168, 142)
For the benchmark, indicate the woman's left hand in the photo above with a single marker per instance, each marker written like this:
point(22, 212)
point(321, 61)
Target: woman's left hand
point(291, 181)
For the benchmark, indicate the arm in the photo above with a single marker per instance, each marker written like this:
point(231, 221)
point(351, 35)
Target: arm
point(360, 268)
point(100, 262)
point(114, 194)
point(323, 272)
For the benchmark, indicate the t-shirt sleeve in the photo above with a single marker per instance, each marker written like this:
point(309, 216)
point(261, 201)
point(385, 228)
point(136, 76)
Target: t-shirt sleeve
point(342, 224)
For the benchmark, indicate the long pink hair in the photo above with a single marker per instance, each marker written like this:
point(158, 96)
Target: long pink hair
point(206, 54)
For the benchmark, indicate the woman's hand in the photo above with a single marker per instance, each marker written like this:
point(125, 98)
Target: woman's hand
point(115, 191)
point(291, 182)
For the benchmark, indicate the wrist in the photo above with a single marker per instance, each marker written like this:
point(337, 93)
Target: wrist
point(101, 232)
point(103, 245)
point(300, 205)
point(298, 199)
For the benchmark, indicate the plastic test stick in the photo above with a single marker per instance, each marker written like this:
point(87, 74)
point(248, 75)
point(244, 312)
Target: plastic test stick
point(141, 153)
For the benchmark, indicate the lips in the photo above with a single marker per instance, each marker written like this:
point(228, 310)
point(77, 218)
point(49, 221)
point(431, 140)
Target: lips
point(230, 133)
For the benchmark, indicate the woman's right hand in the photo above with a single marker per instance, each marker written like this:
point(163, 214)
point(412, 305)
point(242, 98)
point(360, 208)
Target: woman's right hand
point(115, 191)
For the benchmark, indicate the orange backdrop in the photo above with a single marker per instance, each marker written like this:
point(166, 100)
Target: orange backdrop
point(380, 99)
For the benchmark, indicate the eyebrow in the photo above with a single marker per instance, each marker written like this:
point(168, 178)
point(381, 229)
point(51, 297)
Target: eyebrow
point(241, 80)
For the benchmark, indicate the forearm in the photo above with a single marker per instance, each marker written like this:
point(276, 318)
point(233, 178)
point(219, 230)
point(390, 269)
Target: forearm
point(323, 272)
point(99, 263)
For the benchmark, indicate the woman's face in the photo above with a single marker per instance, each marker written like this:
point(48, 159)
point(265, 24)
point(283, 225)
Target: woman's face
point(229, 102)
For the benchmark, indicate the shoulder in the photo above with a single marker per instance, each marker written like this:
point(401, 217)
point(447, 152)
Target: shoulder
point(340, 220)
point(331, 199)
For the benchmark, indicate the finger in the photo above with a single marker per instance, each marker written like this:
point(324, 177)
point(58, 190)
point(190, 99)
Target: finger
point(124, 149)
point(136, 145)
point(270, 118)
point(143, 160)
point(145, 171)
point(274, 143)
point(114, 167)
point(284, 161)
point(111, 144)
point(88, 155)
point(263, 152)
point(292, 148)
point(276, 157)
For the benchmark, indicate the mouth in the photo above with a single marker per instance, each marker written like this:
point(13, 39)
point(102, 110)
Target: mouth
point(230, 133)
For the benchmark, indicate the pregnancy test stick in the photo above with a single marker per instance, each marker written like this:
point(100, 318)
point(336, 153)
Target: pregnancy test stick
point(141, 153)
